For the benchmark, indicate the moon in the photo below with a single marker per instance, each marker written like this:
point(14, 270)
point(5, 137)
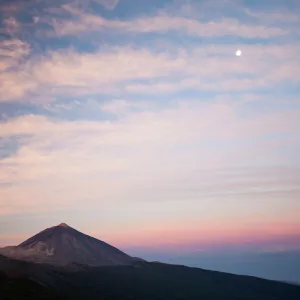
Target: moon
point(238, 52)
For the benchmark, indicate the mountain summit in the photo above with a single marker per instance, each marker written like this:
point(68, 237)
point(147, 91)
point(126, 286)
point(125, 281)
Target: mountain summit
point(63, 225)
point(62, 245)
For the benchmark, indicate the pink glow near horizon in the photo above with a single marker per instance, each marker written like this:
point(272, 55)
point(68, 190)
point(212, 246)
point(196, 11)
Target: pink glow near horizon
point(172, 236)
point(178, 236)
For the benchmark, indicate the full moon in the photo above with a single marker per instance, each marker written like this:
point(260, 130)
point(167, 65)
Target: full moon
point(238, 52)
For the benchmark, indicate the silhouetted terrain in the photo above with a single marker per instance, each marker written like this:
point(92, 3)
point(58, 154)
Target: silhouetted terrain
point(22, 288)
point(142, 281)
point(281, 266)
point(139, 280)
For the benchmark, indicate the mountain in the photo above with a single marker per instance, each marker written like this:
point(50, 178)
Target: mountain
point(140, 281)
point(62, 245)
point(63, 263)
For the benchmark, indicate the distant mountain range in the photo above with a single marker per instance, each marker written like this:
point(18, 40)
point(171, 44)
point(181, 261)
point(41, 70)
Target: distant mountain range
point(63, 263)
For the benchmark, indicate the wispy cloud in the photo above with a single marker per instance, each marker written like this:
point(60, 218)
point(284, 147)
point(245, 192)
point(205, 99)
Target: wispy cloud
point(108, 4)
point(275, 16)
point(99, 155)
point(11, 25)
point(12, 52)
point(195, 68)
point(165, 23)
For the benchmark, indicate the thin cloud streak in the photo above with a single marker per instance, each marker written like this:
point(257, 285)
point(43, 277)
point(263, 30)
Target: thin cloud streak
point(164, 23)
point(56, 154)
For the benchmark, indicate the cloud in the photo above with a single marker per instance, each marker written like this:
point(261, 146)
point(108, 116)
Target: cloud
point(165, 23)
point(205, 19)
point(14, 83)
point(14, 86)
point(275, 16)
point(145, 153)
point(80, 71)
point(11, 25)
point(26, 73)
point(108, 4)
point(209, 29)
point(132, 70)
point(12, 5)
point(12, 52)
point(120, 107)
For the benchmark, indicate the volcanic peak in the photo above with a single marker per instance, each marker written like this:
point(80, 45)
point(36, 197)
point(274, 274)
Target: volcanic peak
point(63, 225)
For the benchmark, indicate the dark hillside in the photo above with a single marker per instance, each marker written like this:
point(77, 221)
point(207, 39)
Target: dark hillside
point(25, 289)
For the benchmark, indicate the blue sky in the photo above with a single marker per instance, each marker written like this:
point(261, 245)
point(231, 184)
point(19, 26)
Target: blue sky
point(136, 122)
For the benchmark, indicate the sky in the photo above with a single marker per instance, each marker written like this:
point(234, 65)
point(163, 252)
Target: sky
point(136, 122)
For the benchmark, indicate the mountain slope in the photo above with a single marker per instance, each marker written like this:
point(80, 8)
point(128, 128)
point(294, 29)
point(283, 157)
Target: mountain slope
point(16, 289)
point(63, 261)
point(145, 281)
point(18, 280)
point(62, 245)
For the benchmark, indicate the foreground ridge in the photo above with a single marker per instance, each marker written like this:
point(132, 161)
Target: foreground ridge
point(140, 281)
